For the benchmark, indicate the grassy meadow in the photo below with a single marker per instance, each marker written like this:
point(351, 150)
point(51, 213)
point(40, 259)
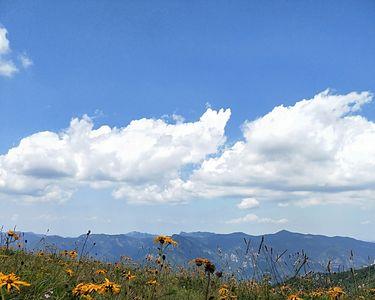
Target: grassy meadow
point(72, 274)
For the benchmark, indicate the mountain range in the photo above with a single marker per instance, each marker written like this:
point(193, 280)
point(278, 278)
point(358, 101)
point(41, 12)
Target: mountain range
point(284, 252)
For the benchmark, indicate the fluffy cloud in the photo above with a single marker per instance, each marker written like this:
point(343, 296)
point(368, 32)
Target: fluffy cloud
point(318, 150)
point(7, 66)
point(252, 218)
point(248, 203)
point(142, 157)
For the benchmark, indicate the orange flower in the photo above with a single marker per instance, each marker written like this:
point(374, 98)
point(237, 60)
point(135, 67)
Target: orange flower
point(164, 239)
point(13, 234)
point(84, 289)
point(108, 286)
point(152, 282)
point(336, 292)
point(100, 272)
point(208, 265)
point(11, 281)
point(200, 261)
point(73, 254)
point(128, 276)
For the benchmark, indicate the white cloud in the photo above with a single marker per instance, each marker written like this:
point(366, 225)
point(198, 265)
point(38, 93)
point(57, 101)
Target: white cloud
point(248, 203)
point(137, 160)
point(178, 118)
point(319, 150)
point(252, 218)
point(4, 42)
point(7, 66)
point(25, 60)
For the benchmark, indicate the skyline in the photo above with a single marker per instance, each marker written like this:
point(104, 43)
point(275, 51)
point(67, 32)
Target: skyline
point(127, 117)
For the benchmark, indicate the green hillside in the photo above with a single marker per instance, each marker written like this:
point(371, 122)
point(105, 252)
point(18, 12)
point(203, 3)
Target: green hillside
point(68, 275)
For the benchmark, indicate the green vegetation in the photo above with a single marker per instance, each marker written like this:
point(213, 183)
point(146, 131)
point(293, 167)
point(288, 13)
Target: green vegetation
point(68, 275)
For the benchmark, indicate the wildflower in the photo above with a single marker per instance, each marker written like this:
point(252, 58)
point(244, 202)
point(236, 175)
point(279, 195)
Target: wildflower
point(224, 292)
point(100, 272)
point(164, 239)
point(69, 272)
point(316, 294)
point(200, 261)
point(284, 289)
point(73, 254)
point(152, 282)
point(11, 281)
point(40, 254)
point(209, 267)
point(85, 289)
point(336, 292)
point(13, 234)
point(294, 297)
point(128, 276)
point(108, 286)
point(149, 257)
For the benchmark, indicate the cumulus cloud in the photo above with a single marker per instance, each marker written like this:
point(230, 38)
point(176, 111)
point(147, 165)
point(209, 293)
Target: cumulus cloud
point(252, 218)
point(318, 150)
point(137, 161)
point(248, 203)
point(7, 66)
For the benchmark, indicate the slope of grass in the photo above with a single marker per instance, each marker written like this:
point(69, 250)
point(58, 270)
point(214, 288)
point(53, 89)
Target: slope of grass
point(56, 275)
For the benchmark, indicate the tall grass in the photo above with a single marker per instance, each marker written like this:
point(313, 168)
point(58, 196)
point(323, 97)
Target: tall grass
point(71, 274)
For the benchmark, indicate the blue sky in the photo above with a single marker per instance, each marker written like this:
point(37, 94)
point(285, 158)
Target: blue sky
point(120, 61)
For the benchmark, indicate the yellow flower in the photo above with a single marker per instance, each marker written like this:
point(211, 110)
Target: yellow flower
point(200, 261)
point(13, 234)
point(69, 272)
point(73, 254)
point(152, 282)
point(336, 292)
point(294, 297)
point(164, 239)
point(224, 291)
point(128, 276)
point(108, 286)
point(209, 267)
point(11, 281)
point(84, 289)
point(100, 272)
point(316, 294)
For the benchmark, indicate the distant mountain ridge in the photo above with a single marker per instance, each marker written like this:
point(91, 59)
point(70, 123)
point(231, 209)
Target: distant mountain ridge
point(231, 252)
